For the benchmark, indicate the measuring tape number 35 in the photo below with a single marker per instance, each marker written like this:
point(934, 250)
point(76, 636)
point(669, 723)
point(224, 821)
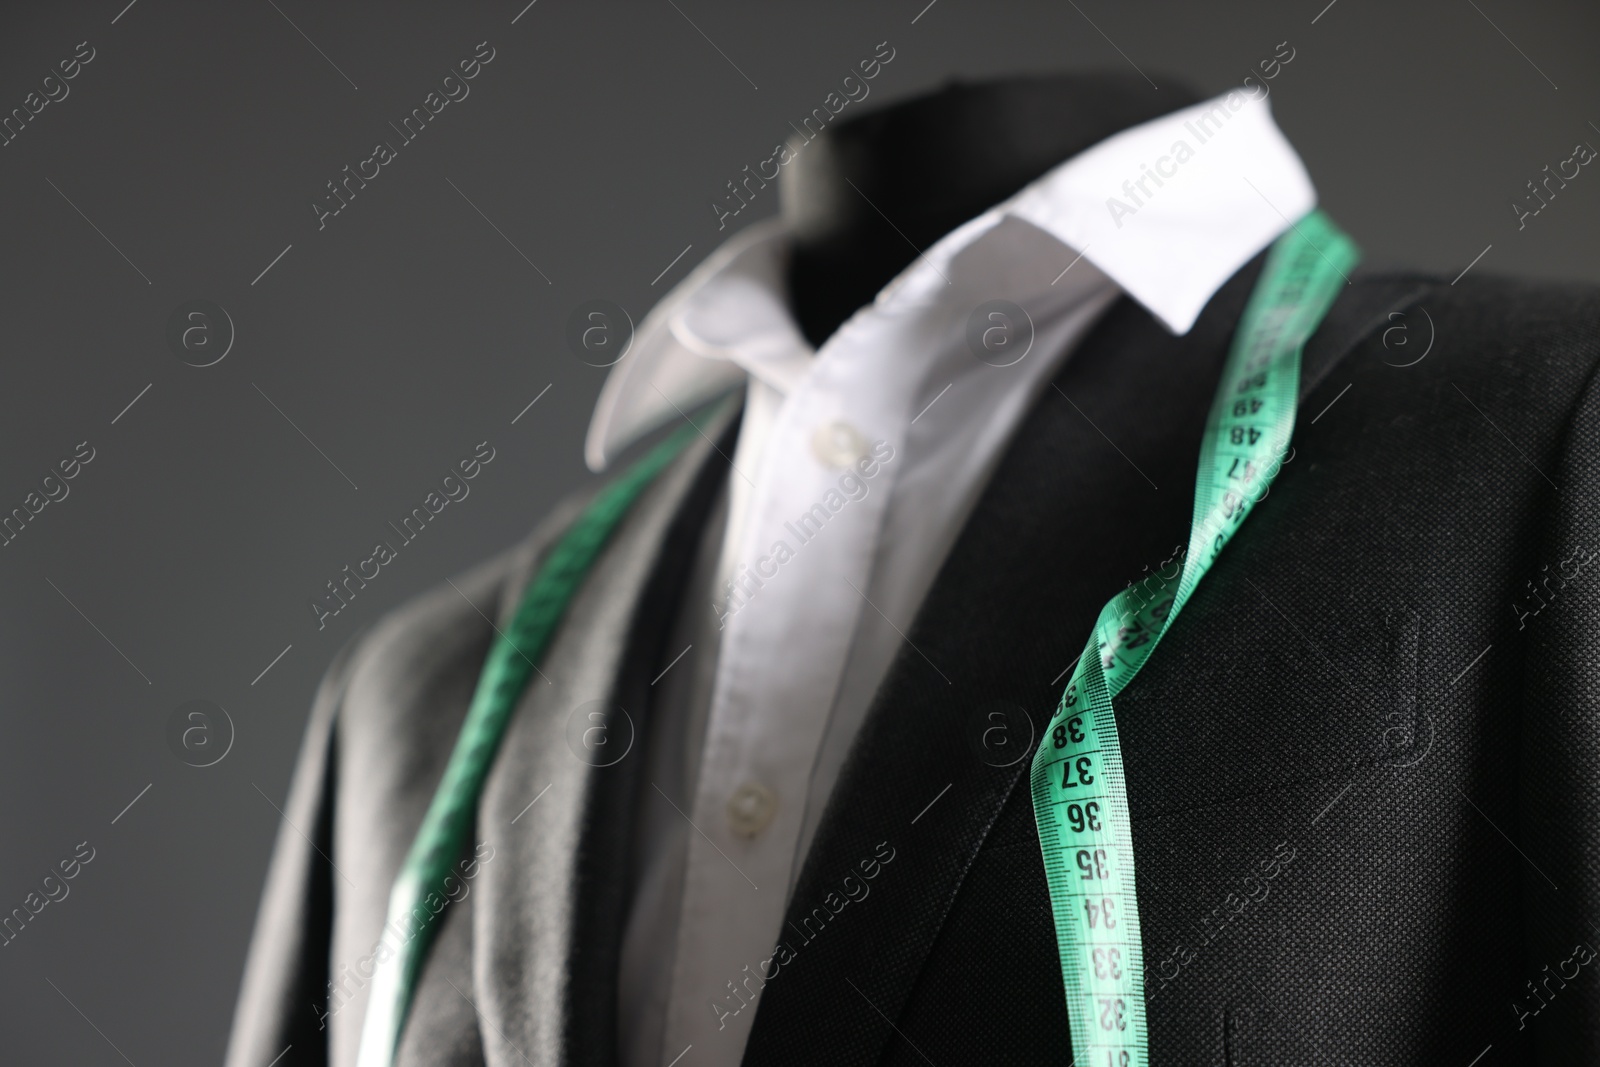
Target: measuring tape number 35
point(1080, 800)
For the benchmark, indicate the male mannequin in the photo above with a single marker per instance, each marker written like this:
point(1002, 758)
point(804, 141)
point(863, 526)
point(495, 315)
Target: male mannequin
point(1316, 719)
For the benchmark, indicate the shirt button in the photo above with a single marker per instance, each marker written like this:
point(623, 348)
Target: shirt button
point(751, 808)
point(838, 444)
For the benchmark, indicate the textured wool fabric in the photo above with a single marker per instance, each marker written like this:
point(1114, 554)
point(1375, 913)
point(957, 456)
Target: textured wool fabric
point(1361, 767)
point(1315, 692)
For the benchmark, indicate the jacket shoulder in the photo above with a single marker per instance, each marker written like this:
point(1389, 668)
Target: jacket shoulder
point(1495, 315)
point(427, 652)
point(1522, 342)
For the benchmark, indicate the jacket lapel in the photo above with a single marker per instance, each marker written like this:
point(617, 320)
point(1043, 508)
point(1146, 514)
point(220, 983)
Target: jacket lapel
point(547, 922)
point(1067, 521)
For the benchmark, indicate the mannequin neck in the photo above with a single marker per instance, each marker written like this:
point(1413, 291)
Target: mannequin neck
point(923, 167)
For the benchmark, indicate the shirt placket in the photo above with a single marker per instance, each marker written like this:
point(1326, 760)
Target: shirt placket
point(787, 634)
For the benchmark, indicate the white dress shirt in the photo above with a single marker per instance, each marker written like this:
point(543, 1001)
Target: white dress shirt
point(855, 468)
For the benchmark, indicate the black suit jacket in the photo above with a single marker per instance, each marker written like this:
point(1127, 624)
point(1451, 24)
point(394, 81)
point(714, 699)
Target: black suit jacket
point(1361, 767)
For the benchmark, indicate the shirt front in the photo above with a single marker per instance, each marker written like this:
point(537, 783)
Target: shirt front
point(856, 466)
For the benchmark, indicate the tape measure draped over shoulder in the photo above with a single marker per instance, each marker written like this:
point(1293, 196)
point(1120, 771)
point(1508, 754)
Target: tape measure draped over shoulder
point(1080, 798)
point(451, 814)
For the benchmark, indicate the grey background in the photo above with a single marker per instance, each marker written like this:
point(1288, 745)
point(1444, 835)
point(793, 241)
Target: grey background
point(409, 329)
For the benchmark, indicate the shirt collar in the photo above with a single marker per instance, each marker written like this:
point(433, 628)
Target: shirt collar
point(1168, 210)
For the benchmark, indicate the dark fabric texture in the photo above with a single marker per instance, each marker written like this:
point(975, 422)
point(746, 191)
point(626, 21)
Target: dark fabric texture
point(1361, 766)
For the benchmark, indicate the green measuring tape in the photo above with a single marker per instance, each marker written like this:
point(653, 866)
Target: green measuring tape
point(1079, 797)
point(1080, 800)
point(443, 835)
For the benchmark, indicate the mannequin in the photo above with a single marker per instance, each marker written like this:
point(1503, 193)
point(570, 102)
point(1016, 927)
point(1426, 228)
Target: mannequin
point(1246, 730)
point(929, 164)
